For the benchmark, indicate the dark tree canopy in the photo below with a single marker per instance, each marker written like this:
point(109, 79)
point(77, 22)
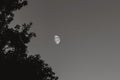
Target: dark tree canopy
point(15, 63)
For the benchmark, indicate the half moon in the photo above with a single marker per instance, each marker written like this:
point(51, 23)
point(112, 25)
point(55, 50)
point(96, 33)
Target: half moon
point(57, 39)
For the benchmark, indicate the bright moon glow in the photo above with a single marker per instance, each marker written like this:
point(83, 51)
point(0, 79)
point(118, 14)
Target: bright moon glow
point(57, 39)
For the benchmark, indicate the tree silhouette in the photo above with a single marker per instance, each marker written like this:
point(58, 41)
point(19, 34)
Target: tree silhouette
point(15, 63)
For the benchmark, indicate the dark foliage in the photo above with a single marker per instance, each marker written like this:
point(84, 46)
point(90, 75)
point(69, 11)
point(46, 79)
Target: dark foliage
point(15, 64)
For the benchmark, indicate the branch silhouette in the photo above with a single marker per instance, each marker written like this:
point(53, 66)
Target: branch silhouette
point(15, 63)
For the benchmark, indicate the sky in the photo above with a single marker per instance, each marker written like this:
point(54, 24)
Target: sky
point(90, 36)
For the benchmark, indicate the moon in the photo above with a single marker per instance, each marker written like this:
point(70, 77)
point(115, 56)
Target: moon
point(57, 39)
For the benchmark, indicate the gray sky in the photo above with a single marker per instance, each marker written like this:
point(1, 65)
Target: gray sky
point(90, 36)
